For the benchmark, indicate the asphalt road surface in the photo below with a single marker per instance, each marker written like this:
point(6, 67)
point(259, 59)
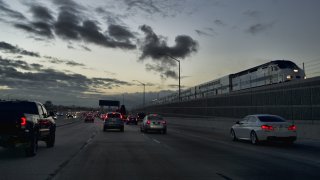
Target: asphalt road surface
point(84, 151)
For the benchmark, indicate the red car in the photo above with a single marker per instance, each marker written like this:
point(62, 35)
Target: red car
point(89, 118)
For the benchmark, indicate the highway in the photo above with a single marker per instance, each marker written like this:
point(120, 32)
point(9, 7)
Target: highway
point(84, 151)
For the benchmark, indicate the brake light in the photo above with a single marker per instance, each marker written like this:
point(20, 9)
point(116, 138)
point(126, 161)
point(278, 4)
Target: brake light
point(23, 122)
point(292, 128)
point(121, 117)
point(267, 128)
point(164, 122)
point(148, 122)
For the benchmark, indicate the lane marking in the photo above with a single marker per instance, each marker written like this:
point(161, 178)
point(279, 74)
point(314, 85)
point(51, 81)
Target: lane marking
point(156, 141)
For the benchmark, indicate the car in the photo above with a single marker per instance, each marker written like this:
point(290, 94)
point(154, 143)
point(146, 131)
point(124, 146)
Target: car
point(24, 123)
point(113, 120)
point(70, 115)
point(59, 113)
point(132, 119)
point(140, 116)
point(264, 127)
point(89, 118)
point(153, 122)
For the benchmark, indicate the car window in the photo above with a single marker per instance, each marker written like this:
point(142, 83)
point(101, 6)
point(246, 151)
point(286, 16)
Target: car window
point(44, 111)
point(271, 119)
point(155, 118)
point(245, 119)
point(252, 119)
point(115, 115)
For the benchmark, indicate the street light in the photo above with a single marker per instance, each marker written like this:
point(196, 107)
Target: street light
point(144, 91)
point(179, 72)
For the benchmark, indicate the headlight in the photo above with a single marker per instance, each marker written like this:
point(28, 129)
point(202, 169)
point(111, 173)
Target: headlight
point(288, 77)
point(295, 70)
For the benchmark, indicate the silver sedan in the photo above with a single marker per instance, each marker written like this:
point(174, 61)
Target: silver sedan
point(264, 127)
point(153, 122)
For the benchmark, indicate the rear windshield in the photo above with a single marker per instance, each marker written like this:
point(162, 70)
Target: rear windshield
point(271, 119)
point(23, 107)
point(155, 118)
point(116, 115)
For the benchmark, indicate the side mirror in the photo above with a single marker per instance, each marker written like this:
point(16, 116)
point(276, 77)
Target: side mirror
point(238, 122)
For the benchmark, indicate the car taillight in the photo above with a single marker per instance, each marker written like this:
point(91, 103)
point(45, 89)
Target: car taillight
point(292, 128)
point(23, 121)
point(267, 128)
point(164, 122)
point(148, 122)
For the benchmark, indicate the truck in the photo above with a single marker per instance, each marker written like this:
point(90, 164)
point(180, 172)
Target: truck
point(23, 124)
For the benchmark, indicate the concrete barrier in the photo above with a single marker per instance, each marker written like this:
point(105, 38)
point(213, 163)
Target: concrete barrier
point(307, 130)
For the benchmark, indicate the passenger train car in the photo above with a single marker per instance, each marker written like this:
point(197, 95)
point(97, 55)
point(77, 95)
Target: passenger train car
point(276, 71)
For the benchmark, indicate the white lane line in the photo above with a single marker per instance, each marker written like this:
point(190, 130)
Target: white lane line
point(156, 141)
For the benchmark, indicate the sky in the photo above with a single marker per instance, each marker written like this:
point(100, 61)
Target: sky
point(77, 52)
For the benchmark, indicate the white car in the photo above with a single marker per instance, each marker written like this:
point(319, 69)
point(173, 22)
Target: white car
point(264, 127)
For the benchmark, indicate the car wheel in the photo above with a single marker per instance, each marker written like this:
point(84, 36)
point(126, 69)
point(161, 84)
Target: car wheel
point(51, 140)
point(122, 129)
point(104, 129)
point(289, 143)
point(142, 129)
point(32, 147)
point(164, 131)
point(233, 135)
point(253, 138)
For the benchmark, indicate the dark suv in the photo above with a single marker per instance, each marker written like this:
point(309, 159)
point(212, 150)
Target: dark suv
point(113, 120)
point(24, 123)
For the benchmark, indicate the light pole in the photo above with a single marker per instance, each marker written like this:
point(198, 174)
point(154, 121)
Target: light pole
point(144, 91)
point(179, 72)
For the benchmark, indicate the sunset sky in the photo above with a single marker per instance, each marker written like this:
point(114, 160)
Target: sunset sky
point(77, 52)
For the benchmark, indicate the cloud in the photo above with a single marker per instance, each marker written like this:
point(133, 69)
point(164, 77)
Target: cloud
point(202, 33)
point(164, 70)
point(37, 28)
point(85, 48)
point(19, 64)
point(111, 17)
point(252, 13)
point(6, 11)
point(41, 13)
point(120, 33)
point(36, 77)
point(69, 27)
point(8, 48)
point(219, 22)
point(55, 60)
point(156, 48)
point(164, 8)
point(258, 28)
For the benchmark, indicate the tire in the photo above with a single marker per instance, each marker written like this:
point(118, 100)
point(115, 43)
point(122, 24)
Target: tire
point(289, 143)
point(51, 140)
point(164, 131)
point(233, 135)
point(32, 147)
point(253, 138)
point(122, 129)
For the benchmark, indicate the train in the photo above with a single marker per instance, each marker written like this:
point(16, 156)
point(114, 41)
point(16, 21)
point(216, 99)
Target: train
point(276, 71)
